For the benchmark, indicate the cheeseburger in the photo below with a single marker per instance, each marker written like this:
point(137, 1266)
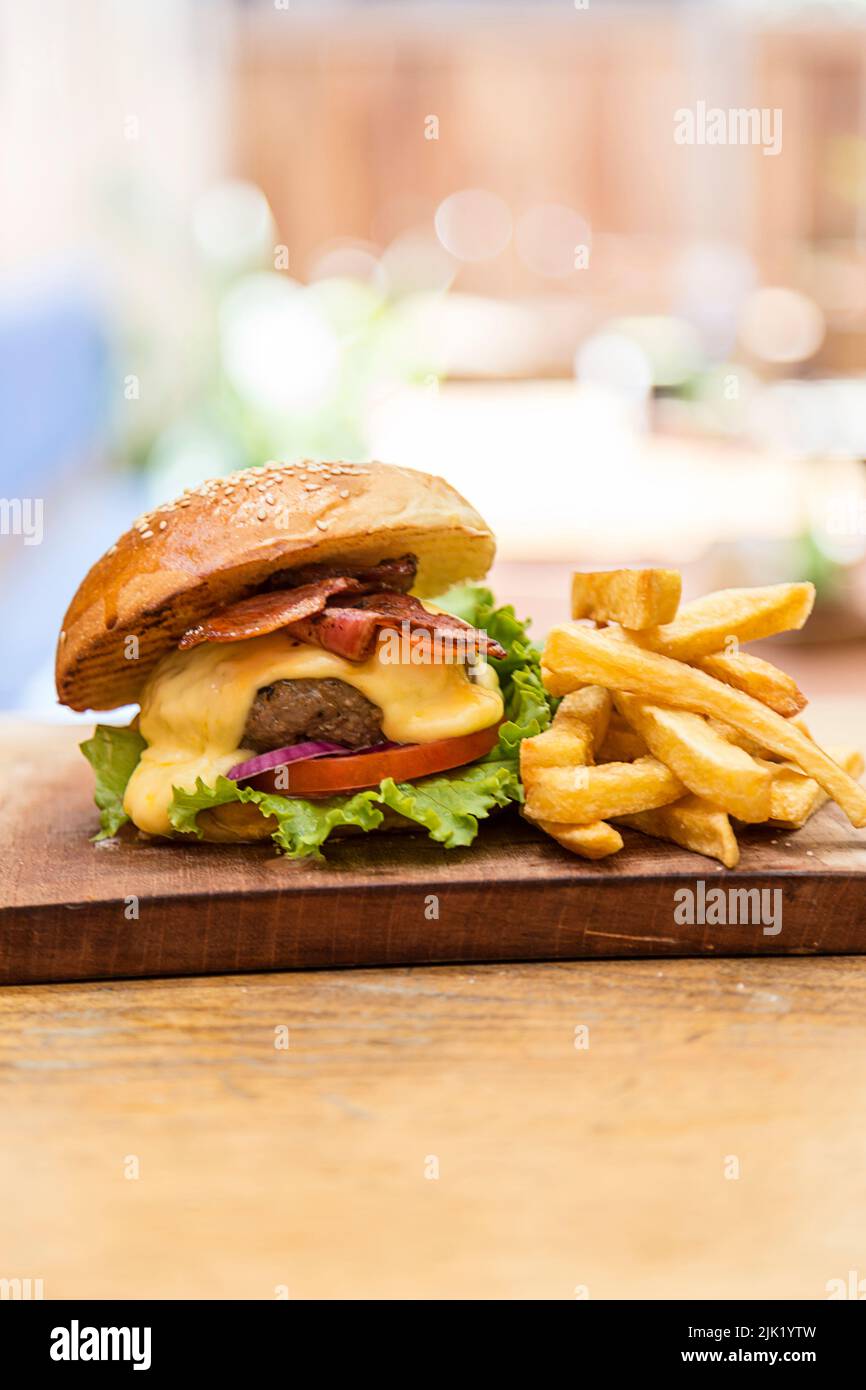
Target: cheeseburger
point(307, 653)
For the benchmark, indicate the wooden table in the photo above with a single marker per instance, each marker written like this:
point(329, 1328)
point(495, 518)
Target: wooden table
point(602, 1167)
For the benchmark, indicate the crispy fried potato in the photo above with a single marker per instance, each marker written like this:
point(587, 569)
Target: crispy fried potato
point(757, 678)
point(594, 841)
point(693, 823)
point(578, 727)
point(564, 747)
point(587, 709)
point(703, 627)
point(750, 745)
point(795, 797)
point(621, 743)
point(635, 598)
point(591, 657)
point(580, 795)
point(555, 684)
point(708, 765)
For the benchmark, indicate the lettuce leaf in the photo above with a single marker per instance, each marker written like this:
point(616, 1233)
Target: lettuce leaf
point(448, 805)
point(528, 707)
point(302, 826)
point(113, 754)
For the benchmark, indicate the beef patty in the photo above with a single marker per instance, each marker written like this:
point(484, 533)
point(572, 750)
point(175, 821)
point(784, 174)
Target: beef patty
point(292, 711)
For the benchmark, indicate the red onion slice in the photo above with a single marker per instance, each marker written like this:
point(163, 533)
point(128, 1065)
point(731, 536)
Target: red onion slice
point(297, 752)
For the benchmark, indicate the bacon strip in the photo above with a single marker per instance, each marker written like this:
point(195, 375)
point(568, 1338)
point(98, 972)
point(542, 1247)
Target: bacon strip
point(263, 613)
point(348, 629)
point(347, 632)
point(351, 632)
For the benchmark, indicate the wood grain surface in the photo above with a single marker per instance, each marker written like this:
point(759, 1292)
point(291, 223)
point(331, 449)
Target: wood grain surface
point(136, 906)
point(560, 1169)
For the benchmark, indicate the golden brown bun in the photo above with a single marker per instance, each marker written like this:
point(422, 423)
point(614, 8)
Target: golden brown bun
point(221, 540)
point(236, 824)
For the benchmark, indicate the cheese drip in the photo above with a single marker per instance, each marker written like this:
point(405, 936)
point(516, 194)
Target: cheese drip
point(195, 706)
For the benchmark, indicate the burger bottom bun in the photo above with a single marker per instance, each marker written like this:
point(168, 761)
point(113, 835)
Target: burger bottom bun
point(237, 824)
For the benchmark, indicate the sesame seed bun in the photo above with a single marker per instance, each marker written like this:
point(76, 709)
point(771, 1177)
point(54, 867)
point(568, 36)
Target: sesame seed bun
point(220, 542)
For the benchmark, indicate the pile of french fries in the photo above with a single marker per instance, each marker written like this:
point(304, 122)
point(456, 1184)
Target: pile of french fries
point(667, 727)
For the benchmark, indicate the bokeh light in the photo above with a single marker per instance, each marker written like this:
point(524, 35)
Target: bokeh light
point(347, 260)
point(279, 352)
point(617, 364)
point(474, 224)
point(670, 346)
point(416, 263)
point(781, 325)
point(549, 237)
point(233, 226)
point(712, 281)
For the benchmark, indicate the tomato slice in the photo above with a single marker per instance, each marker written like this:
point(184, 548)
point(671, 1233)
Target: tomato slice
point(328, 776)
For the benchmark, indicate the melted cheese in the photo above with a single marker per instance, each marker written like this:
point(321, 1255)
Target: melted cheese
point(195, 707)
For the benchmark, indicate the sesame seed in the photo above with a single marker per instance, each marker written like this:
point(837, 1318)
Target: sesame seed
point(261, 514)
point(344, 492)
point(146, 535)
point(312, 487)
point(322, 525)
point(269, 498)
point(162, 525)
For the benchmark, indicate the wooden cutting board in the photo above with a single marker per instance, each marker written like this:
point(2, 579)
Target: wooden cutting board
point(68, 907)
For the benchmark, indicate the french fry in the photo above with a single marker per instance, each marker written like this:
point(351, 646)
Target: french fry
point(580, 795)
point(556, 748)
point(795, 797)
point(704, 626)
point(555, 684)
point(708, 765)
point(693, 823)
point(587, 709)
point(621, 743)
point(578, 727)
point(590, 657)
point(757, 678)
point(594, 841)
point(750, 745)
point(635, 598)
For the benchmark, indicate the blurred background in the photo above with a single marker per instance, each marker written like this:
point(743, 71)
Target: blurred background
point(475, 238)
